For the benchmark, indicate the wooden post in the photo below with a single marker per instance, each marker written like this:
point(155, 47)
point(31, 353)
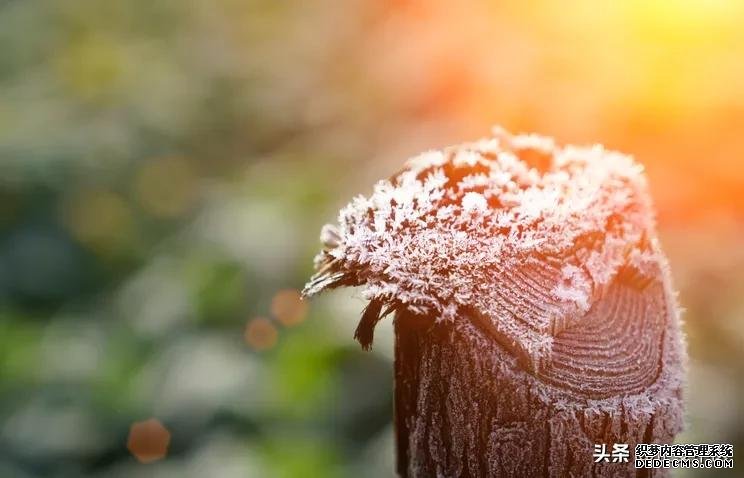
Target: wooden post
point(534, 317)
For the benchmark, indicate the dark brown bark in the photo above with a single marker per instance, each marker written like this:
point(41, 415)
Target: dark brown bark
point(465, 406)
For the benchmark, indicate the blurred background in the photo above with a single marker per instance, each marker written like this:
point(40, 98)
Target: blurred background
point(166, 165)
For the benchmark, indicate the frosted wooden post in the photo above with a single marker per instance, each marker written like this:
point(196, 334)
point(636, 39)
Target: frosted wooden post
point(534, 316)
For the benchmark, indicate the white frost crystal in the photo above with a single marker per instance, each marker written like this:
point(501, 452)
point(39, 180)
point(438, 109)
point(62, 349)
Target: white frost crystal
point(455, 228)
point(474, 202)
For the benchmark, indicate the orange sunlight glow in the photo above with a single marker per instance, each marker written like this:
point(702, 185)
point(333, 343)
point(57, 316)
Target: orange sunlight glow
point(660, 79)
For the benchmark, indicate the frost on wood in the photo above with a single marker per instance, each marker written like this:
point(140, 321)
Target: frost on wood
point(534, 313)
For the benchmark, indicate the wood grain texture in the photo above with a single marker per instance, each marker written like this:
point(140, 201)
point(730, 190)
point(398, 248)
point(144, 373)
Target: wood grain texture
point(465, 406)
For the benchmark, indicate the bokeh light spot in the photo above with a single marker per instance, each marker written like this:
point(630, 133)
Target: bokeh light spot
point(288, 307)
point(93, 67)
point(261, 334)
point(148, 440)
point(99, 219)
point(167, 187)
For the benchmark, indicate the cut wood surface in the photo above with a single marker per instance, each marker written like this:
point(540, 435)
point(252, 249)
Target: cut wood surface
point(534, 315)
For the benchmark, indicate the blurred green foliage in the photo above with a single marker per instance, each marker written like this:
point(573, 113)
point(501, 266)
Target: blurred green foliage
point(160, 180)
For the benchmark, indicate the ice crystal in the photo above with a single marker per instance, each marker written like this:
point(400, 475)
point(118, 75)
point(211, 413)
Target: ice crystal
point(455, 227)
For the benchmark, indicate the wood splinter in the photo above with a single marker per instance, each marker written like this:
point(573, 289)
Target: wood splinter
point(534, 314)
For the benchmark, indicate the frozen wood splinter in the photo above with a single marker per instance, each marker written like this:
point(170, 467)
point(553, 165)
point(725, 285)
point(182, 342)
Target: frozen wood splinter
point(534, 315)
